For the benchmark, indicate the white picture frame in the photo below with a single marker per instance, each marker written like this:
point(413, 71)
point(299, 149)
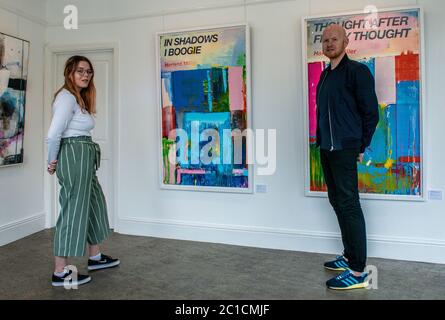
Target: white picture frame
point(248, 108)
point(421, 196)
point(14, 60)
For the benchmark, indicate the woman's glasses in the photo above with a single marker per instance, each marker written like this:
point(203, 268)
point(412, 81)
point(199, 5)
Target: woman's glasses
point(83, 72)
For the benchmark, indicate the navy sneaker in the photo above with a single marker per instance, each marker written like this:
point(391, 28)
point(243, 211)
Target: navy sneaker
point(347, 280)
point(104, 262)
point(70, 279)
point(339, 264)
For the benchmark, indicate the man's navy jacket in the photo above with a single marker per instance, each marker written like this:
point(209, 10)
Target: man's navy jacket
point(347, 106)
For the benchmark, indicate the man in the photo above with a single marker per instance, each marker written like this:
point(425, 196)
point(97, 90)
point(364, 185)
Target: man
point(347, 115)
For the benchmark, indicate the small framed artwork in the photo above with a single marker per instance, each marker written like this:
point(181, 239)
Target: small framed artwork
point(14, 54)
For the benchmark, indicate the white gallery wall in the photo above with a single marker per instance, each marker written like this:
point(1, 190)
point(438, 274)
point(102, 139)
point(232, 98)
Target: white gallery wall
point(282, 218)
point(21, 187)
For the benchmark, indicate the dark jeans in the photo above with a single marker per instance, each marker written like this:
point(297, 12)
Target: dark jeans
point(340, 174)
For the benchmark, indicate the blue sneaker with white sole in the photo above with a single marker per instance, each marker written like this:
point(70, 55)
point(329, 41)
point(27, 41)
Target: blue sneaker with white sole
point(347, 280)
point(339, 264)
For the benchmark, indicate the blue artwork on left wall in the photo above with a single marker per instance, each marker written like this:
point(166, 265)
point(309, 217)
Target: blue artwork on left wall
point(13, 77)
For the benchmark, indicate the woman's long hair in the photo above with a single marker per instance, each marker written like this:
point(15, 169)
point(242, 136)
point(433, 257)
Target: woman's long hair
point(86, 98)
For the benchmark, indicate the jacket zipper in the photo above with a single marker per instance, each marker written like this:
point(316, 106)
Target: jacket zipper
point(330, 127)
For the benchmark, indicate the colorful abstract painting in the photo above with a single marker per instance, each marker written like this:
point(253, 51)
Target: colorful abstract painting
point(388, 42)
point(204, 109)
point(13, 76)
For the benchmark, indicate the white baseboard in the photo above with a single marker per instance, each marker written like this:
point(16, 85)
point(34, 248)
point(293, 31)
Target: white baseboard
point(411, 249)
point(21, 228)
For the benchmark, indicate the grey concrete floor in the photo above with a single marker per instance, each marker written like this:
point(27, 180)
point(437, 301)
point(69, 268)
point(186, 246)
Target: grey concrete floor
point(153, 268)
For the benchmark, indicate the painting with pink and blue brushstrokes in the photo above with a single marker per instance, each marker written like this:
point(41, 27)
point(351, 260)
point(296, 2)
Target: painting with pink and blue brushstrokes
point(13, 77)
point(389, 45)
point(203, 82)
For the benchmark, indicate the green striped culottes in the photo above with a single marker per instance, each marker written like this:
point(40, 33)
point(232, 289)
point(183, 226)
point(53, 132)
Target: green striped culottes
point(83, 211)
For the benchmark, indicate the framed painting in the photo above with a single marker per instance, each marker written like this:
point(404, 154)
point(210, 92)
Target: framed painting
point(389, 42)
point(204, 109)
point(13, 76)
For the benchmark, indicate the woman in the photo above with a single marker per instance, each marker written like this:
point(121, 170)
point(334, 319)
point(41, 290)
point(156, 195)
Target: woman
point(75, 158)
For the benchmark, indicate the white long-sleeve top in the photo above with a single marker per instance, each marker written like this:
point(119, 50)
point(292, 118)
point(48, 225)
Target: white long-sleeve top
point(68, 121)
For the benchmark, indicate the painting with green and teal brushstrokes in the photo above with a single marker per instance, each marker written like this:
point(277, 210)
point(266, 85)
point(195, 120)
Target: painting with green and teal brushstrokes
point(203, 78)
point(393, 163)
